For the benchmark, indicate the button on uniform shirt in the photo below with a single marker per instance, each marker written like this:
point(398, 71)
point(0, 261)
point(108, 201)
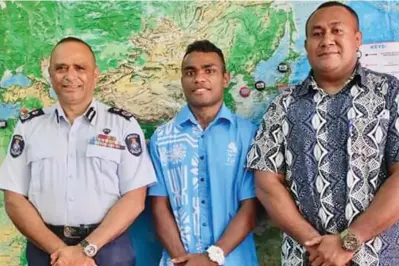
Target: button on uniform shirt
point(203, 174)
point(335, 151)
point(73, 174)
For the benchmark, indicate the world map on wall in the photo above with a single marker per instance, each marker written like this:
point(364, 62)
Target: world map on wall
point(139, 47)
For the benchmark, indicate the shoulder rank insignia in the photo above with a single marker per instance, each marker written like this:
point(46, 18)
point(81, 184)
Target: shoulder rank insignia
point(118, 111)
point(30, 115)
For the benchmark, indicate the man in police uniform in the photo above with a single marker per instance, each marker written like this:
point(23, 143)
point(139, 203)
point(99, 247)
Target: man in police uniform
point(72, 183)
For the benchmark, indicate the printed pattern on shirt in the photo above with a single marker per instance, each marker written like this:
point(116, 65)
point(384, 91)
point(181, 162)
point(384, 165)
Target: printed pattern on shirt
point(172, 145)
point(303, 143)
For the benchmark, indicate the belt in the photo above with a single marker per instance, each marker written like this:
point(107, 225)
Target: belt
point(81, 231)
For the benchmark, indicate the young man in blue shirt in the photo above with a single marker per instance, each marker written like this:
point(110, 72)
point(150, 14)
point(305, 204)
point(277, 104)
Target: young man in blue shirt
point(203, 205)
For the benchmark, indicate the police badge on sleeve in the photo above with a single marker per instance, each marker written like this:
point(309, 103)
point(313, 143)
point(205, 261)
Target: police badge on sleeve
point(133, 144)
point(17, 146)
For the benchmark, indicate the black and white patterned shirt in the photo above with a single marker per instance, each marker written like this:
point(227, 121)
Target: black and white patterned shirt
point(335, 151)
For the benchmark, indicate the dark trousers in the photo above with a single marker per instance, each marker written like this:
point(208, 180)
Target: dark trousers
point(116, 253)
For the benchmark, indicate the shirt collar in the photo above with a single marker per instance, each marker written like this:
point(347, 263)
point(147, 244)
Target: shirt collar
point(90, 114)
point(185, 115)
point(309, 83)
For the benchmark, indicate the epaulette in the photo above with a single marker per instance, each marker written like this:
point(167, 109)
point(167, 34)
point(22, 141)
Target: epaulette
point(118, 111)
point(30, 115)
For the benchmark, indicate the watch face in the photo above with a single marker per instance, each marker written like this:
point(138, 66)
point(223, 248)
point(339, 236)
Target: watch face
point(90, 250)
point(350, 242)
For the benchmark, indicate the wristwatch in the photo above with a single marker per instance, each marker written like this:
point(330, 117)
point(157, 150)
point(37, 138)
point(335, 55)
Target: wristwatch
point(89, 249)
point(216, 254)
point(349, 240)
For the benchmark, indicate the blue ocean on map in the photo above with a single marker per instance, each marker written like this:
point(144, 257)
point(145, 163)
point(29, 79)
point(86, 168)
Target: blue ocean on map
point(17, 80)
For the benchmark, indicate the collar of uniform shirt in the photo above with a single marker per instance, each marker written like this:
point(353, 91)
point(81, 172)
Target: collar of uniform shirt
point(90, 113)
point(186, 115)
point(310, 84)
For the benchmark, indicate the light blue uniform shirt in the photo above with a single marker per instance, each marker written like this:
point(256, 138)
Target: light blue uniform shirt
point(203, 174)
point(67, 177)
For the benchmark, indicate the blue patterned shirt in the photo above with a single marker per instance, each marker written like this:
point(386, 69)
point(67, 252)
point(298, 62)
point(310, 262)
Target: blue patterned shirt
point(203, 174)
point(335, 151)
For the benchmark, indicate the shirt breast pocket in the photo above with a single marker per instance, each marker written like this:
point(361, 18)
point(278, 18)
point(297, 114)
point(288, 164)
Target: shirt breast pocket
point(228, 159)
point(43, 167)
point(104, 162)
